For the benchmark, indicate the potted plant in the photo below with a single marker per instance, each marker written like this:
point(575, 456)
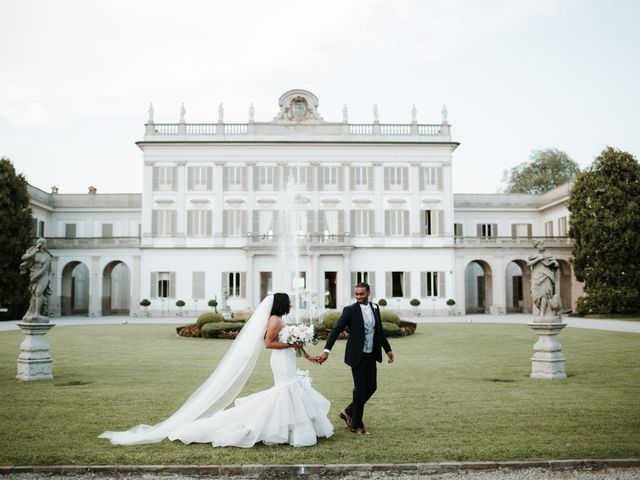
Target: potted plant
point(382, 302)
point(144, 303)
point(213, 304)
point(451, 302)
point(180, 304)
point(415, 303)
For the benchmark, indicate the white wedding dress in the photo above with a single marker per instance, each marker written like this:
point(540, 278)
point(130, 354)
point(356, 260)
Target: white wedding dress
point(291, 411)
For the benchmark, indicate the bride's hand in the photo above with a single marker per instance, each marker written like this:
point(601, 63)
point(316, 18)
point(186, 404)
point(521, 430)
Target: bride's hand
point(310, 358)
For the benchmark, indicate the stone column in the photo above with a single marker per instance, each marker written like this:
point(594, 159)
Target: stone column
point(34, 361)
point(95, 288)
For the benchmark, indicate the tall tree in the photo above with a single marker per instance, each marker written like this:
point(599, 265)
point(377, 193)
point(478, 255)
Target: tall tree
point(605, 223)
point(545, 170)
point(15, 238)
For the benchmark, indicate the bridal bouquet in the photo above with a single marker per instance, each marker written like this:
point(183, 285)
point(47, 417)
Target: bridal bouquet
point(298, 334)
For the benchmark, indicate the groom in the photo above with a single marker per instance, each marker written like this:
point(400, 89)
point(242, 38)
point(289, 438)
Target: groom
point(366, 338)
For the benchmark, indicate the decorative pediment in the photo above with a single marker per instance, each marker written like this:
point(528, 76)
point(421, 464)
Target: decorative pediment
point(234, 202)
point(361, 202)
point(301, 199)
point(298, 106)
point(265, 202)
point(163, 202)
point(330, 202)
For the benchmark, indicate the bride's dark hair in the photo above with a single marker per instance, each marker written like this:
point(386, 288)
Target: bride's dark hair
point(281, 304)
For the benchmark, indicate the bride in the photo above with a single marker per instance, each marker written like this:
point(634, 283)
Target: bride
point(290, 412)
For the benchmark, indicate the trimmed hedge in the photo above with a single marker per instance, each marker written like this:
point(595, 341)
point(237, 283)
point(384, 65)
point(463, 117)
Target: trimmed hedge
point(329, 319)
point(389, 317)
point(209, 317)
point(390, 329)
point(217, 329)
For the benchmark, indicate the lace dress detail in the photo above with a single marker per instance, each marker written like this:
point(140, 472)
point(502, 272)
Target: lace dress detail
point(291, 411)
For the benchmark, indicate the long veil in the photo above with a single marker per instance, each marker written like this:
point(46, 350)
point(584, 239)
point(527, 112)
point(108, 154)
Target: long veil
point(217, 391)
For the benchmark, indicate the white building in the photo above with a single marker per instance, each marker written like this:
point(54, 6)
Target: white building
point(372, 202)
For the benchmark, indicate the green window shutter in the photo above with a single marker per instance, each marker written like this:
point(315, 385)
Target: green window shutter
point(529, 230)
point(309, 172)
point(322, 222)
point(243, 176)
point(388, 288)
point(406, 284)
point(441, 285)
point(423, 284)
point(190, 174)
point(421, 173)
point(243, 219)
point(479, 229)
point(440, 179)
point(354, 280)
point(225, 222)
point(224, 283)
point(156, 177)
point(340, 178)
point(243, 284)
point(154, 222)
point(405, 222)
point(387, 222)
point(387, 173)
point(190, 214)
point(311, 229)
point(370, 178)
point(494, 229)
point(225, 178)
point(255, 229)
point(372, 283)
point(440, 222)
point(277, 184)
point(352, 223)
point(405, 178)
point(174, 179)
point(172, 285)
point(352, 178)
point(255, 171)
point(514, 230)
point(320, 178)
point(423, 222)
point(153, 291)
point(209, 178)
point(372, 223)
point(173, 215)
point(275, 222)
point(340, 222)
point(209, 222)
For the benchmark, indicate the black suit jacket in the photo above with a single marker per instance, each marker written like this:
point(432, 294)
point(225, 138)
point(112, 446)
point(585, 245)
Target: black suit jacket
point(352, 317)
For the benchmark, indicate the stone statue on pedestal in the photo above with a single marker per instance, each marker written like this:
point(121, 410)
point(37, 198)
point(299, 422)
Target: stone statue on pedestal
point(545, 272)
point(37, 263)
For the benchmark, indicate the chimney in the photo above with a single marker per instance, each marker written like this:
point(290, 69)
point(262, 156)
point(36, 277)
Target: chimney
point(92, 190)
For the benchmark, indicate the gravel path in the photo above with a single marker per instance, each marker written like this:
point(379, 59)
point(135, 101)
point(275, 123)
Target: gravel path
point(526, 474)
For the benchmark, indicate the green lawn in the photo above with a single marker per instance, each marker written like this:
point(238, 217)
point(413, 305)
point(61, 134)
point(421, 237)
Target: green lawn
point(456, 392)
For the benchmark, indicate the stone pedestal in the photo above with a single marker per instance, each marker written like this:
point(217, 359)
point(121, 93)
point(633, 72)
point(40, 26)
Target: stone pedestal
point(34, 361)
point(547, 361)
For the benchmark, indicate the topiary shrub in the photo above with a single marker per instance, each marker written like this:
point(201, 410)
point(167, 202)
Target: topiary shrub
point(451, 302)
point(389, 317)
point(391, 329)
point(382, 302)
point(209, 317)
point(180, 303)
point(218, 329)
point(329, 319)
point(145, 302)
point(241, 316)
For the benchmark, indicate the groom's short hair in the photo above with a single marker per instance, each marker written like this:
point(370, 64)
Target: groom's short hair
point(363, 285)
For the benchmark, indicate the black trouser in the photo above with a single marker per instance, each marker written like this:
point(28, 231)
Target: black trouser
point(364, 384)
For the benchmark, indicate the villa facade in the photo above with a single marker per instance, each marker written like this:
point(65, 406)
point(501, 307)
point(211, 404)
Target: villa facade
point(369, 202)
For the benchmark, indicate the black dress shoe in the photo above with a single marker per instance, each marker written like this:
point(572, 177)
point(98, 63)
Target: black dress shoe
point(361, 431)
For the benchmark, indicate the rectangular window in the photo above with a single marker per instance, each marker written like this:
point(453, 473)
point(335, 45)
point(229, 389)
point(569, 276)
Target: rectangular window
point(396, 222)
point(107, 230)
point(297, 175)
point(165, 178)
point(458, 230)
point(397, 279)
point(234, 284)
point(233, 179)
point(521, 230)
point(41, 229)
point(234, 222)
point(562, 227)
point(487, 229)
point(164, 284)
point(265, 178)
point(330, 177)
point(430, 284)
point(395, 176)
point(70, 230)
point(197, 284)
point(548, 228)
point(164, 222)
point(362, 222)
point(430, 178)
point(432, 222)
point(198, 223)
point(366, 277)
point(265, 284)
point(200, 178)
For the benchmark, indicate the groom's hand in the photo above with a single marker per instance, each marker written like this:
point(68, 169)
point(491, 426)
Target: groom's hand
point(323, 357)
point(391, 356)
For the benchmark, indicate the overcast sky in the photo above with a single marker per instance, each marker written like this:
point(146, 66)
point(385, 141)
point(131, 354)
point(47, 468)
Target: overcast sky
point(77, 76)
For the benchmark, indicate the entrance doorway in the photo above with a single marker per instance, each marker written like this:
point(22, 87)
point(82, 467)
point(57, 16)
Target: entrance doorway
point(330, 289)
point(266, 288)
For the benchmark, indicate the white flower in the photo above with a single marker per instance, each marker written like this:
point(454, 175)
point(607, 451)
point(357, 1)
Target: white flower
point(375, 306)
